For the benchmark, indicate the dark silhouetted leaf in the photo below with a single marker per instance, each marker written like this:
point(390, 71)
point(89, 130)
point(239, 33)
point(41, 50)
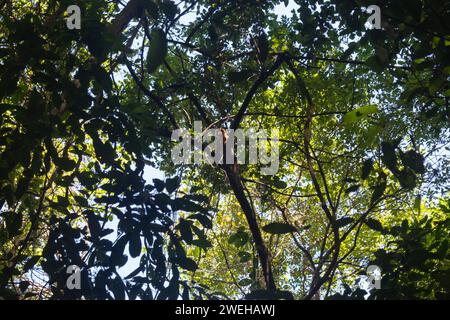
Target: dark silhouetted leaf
point(239, 76)
point(407, 179)
point(203, 219)
point(14, 223)
point(366, 169)
point(279, 228)
point(389, 157)
point(187, 263)
point(135, 244)
point(169, 8)
point(342, 222)
point(185, 230)
point(157, 51)
point(117, 252)
point(172, 184)
point(374, 224)
point(245, 282)
point(352, 188)
point(414, 161)
point(244, 256)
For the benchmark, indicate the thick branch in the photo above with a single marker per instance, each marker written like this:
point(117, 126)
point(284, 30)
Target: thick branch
point(263, 252)
point(151, 95)
point(248, 98)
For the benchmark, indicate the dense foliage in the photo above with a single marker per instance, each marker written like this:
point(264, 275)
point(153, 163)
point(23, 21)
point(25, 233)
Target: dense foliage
point(87, 116)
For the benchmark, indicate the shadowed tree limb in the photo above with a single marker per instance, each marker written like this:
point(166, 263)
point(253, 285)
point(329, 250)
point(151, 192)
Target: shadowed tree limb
point(151, 95)
point(248, 98)
point(263, 253)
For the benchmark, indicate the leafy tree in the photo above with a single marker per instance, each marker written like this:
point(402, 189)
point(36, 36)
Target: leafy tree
point(363, 118)
point(415, 265)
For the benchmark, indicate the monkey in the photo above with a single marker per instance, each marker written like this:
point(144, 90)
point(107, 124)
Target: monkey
point(225, 137)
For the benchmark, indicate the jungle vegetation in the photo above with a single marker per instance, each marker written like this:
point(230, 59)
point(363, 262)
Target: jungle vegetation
point(363, 179)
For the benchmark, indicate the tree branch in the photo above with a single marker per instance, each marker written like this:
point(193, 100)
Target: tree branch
point(248, 98)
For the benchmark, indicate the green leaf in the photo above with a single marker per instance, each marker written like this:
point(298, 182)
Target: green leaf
point(372, 133)
point(279, 228)
point(65, 164)
point(102, 77)
point(93, 223)
point(185, 230)
point(22, 186)
point(366, 169)
point(135, 245)
point(104, 151)
point(417, 202)
point(157, 51)
point(244, 256)
point(82, 201)
point(407, 179)
point(443, 248)
point(202, 243)
point(240, 238)
point(159, 184)
point(186, 263)
point(239, 76)
point(342, 222)
point(62, 201)
point(378, 191)
point(374, 224)
point(118, 288)
point(358, 113)
point(279, 184)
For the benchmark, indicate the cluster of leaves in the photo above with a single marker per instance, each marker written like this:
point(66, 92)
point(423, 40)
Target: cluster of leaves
point(415, 264)
point(71, 167)
point(375, 61)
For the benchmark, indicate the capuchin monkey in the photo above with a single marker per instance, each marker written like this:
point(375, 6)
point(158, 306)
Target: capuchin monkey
point(227, 149)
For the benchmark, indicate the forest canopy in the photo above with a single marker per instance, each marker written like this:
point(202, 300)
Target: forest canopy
point(88, 181)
